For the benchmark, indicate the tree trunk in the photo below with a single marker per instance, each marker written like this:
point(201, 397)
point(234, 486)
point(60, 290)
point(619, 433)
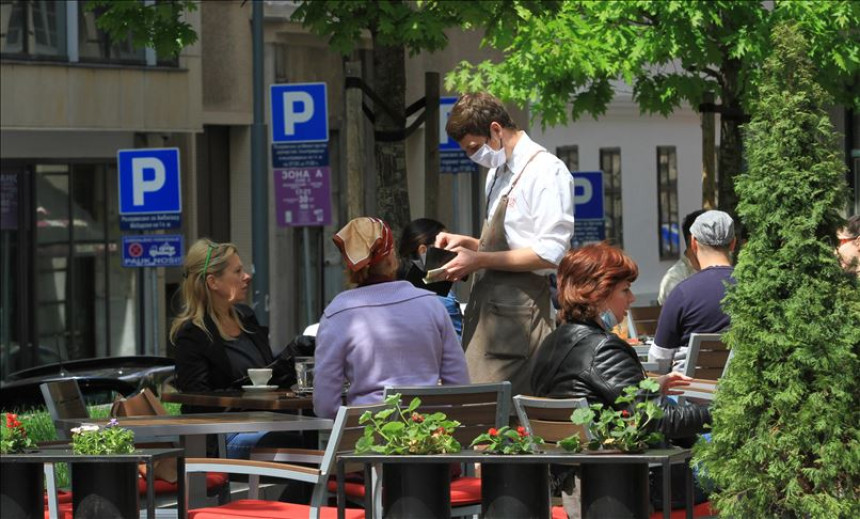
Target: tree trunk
point(389, 81)
point(731, 141)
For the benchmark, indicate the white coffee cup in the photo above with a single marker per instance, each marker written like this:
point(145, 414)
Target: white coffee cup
point(260, 376)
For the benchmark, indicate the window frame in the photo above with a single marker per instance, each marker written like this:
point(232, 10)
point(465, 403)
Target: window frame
point(669, 186)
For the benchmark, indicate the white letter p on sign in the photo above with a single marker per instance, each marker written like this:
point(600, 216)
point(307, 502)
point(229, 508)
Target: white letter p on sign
point(142, 186)
point(582, 191)
point(291, 118)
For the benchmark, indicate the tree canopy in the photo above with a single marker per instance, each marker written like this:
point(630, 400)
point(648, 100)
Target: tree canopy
point(158, 25)
point(564, 59)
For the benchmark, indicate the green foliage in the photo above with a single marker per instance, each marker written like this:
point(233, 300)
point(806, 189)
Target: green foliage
point(786, 424)
point(158, 25)
point(396, 430)
point(628, 426)
point(562, 57)
point(508, 441)
point(416, 27)
point(110, 439)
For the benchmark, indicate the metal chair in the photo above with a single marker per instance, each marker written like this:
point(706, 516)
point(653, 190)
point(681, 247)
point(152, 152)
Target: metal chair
point(345, 432)
point(644, 319)
point(477, 407)
point(707, 356)
point(549, 418)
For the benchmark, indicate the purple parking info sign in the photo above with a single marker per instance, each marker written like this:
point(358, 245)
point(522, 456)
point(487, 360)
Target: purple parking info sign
point(303, 196)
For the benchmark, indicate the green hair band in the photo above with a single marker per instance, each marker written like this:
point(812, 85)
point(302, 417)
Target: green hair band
point(208, 257)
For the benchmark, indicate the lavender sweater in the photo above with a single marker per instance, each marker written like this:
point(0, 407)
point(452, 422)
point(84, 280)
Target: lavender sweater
point(387, 334)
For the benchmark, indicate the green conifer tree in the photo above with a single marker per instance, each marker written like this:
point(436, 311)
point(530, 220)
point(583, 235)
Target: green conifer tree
point(786, 437)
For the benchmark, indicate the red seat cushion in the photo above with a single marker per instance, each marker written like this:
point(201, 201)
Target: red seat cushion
point(62, 497)
point(245, 508)
point(213, 480)
point(64, 511)
point(700, 510)
point(465, 490)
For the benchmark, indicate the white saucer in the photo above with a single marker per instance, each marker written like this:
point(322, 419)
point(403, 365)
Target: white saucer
point(259, 388)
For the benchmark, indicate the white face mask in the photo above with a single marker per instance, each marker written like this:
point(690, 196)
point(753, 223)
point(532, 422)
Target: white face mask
point(488, 157)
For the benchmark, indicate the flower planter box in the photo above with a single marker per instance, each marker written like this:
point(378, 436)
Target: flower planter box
point(416, 490)
point(22, 488)
point(515, 491)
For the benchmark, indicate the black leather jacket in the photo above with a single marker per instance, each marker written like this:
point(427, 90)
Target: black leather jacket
point(580, 359)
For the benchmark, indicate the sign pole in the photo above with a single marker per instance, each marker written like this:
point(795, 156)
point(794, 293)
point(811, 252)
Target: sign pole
point(152, 345)
point(306, 238)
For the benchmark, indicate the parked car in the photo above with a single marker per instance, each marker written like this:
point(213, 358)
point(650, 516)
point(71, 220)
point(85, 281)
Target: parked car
point(100, 379)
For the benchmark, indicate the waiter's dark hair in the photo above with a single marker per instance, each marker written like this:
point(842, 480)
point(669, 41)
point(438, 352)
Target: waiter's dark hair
point(473, 113)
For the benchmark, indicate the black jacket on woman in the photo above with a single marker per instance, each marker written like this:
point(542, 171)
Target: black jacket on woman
point(582, 360)
point(202, 364)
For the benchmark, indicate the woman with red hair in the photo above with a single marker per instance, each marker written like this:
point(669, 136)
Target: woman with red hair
point(582, 358)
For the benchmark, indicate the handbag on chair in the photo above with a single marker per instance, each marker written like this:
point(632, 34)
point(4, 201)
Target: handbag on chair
point(145, 403)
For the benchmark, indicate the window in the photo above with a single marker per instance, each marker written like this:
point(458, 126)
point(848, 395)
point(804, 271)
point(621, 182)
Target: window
point(33, 28)
point(570, 156)
point(610, 164)
point(667, 202)
point(94, 45)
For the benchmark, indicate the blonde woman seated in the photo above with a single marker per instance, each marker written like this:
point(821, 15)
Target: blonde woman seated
point(383, 332)
point(217, 337)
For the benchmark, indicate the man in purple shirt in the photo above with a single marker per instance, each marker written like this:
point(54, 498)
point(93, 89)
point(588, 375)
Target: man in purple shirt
point(694, 306)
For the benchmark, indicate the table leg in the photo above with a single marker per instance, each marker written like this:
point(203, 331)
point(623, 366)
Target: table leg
point(688, 499)
point(51, 479)
point(667, 489)
point(368, 490)
point(341, 493)
point(181, 498)
point(195, 447)
point(150, 490)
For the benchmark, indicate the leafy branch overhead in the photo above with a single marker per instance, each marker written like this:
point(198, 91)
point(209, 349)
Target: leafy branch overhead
point(159, 25)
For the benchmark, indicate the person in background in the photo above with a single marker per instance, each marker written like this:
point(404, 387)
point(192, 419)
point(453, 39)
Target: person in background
point(849, 245)
point(528, 228)
point(217, 337)
point(685, 267)
point(417, 237)
point(384, 332)
point(695, 305)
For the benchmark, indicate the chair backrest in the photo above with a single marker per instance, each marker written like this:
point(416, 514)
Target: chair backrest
point(707, 356)
point(64, 400)
point(477, 407)
point(549, 418)
point(728, 362)
point(645, 319)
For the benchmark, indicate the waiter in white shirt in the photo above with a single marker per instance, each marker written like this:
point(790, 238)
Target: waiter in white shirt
point(528, 228)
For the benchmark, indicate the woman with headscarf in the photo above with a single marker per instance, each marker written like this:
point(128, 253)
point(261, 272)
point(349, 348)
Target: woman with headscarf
point(383, 332)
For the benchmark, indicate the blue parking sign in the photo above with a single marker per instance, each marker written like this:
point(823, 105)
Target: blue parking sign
point(149, 181)
point(588, 195)
point(445, 142)
point(299, 112)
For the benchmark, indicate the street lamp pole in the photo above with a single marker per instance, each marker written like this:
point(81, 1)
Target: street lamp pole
point(259, 184)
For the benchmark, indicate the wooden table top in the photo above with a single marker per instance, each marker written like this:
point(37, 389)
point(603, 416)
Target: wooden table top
point(278, 400)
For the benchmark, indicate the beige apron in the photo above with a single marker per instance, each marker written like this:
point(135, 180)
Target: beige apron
point(508, 315)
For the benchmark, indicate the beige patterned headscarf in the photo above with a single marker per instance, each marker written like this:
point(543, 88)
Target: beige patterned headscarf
point(364, 241)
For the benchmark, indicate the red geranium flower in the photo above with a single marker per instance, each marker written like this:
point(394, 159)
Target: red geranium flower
point(493, 431)
point(522, 431)
point(417, 417)
point(625, 413)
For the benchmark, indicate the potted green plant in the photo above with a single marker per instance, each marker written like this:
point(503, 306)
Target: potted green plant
point(513, 489)
point(411, 489)
point(626, 427)
point(104, 489)
point(21, 484)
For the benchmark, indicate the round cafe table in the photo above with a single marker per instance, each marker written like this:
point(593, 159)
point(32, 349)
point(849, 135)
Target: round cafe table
point(277, 400)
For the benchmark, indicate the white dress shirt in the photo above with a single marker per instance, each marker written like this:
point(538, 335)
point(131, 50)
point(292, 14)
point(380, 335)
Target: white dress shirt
point(540, 207)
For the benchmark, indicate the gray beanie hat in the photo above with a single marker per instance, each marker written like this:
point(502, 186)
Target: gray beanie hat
point(713, 228)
